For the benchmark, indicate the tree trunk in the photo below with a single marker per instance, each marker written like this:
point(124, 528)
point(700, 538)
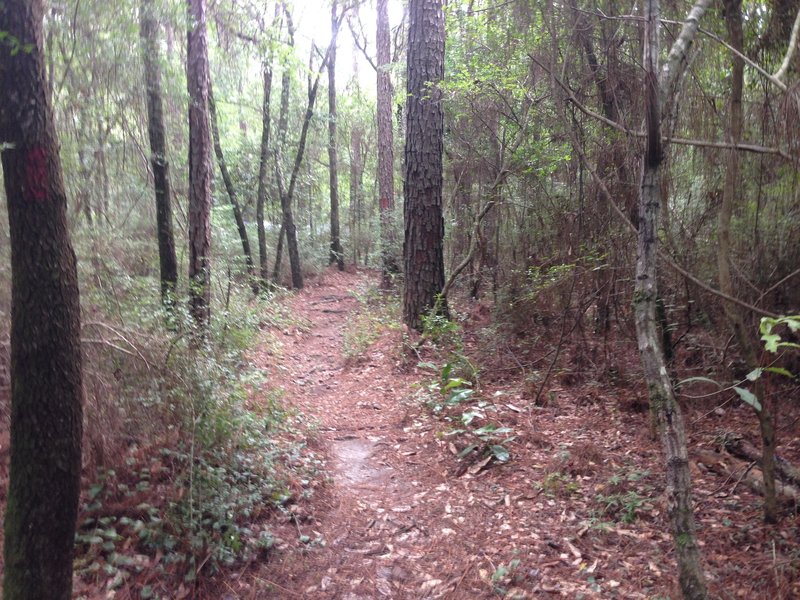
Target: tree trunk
point(736, 318)
point(424, 225)
point(385, 146)
point(276, 270)
point(46, 387)
point(264, 153)
point(283, 126)
point(199, 165)
point(226, 178)
point(664, 406)
point(287, 194)
point(336, 254)
point(356, 181)
point(158, 153)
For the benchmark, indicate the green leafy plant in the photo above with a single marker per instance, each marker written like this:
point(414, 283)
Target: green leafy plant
point(454, 400)
point(773, 340)
point(559, 484)
point(504, 575)
point(623, 507)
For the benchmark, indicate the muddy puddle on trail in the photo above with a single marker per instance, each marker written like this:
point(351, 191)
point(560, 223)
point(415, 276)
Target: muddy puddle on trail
point(355, 462)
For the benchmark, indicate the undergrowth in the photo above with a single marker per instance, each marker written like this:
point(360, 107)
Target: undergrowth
point(184, 463)
point(472, 429)
point(379, 312)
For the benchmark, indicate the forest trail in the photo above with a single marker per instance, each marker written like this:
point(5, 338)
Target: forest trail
point(576, 512)
point(396, 518)
point(382, 516)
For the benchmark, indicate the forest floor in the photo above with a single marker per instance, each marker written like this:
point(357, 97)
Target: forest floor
point(562, 495)
point(574, 509)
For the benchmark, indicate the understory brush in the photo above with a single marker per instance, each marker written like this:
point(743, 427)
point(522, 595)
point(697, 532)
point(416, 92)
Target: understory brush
point(183, 463)
point(379, 312)
point(472, 431)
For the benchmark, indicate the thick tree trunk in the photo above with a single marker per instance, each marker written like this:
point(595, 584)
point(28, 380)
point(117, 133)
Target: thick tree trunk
point(158, 152)
point(46, 387)
point(200, 172)
point(336, 254)
point(385, 146)
point(664, 406)
point(226, 178)
point(424, 225)
point(261, 198)
point(734, 314)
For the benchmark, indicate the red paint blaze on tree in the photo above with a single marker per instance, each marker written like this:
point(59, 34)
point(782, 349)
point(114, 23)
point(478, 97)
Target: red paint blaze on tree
point(36, 179)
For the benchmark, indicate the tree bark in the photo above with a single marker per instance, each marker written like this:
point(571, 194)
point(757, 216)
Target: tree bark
point(200, 172)
point(168, 264)
point(735, 316)
point(385, 145)
point(336, 254)
point(46, 386)
point(261, 198)
point(229, 187)
point(356, 186)
point(283, 126)
point(664, 406)
point(424, 225)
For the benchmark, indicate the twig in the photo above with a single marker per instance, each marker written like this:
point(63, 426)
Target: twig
point(280, 587)
point(664, 256)
point(746, 147)
point(462, 578)
point(560, 339)
point(743, 475)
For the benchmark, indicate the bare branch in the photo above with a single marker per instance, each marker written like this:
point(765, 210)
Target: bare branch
point(780, 73)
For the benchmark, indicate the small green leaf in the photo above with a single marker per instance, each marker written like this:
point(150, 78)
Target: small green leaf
point(780, 371)
point(748, 397)
point(771, 341)
point(754, 374)
point(467, 450)
point(500, 453)
point(459, 396)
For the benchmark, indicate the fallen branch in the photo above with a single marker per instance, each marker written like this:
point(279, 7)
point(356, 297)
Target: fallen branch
point(744, 450)
point(729, 466)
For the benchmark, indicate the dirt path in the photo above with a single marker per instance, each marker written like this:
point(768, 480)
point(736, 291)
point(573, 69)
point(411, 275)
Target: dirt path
point(382, 515)
point(576, 512)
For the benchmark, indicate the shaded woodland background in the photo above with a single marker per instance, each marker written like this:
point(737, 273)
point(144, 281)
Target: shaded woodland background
point(543, 109)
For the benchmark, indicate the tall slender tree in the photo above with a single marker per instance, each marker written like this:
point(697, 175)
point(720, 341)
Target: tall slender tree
point(264, 154)
point(46, 386)
point(287, 191)
point(336, 253)
point(148, 30)
point(659, 90)
point(735, 315)
point(231, 189)
point(283, 128)
point(385, 144)
point(200, 171)
point(424, 224)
